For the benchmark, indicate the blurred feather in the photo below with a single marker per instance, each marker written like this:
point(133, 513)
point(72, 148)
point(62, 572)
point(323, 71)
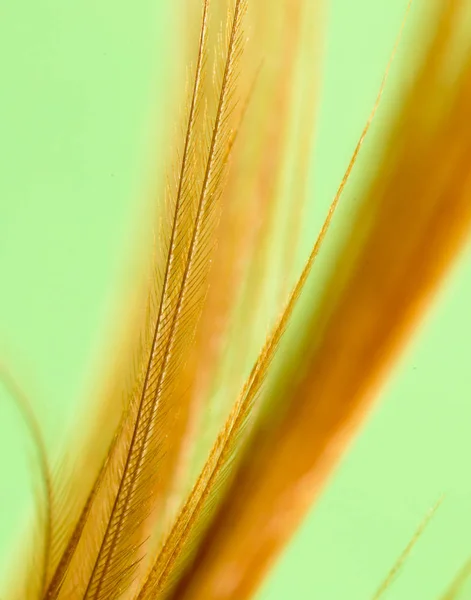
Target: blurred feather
point(304, 126)
point(190, 521)
point(399, 564)
point(422, 191)
point(239, 308)
point(282, 28)
point(40, 562)
point(458, 584)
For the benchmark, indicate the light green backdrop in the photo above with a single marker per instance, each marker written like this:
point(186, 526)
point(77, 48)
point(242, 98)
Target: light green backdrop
point(81, 85)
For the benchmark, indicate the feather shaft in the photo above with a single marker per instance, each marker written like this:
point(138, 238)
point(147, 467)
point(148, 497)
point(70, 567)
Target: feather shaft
point(143, 426)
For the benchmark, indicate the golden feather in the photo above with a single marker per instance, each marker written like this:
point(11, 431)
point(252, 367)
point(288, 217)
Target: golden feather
point(124, 519)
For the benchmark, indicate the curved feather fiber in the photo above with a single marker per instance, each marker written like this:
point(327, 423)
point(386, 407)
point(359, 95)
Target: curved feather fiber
point(403, 557)
point(84, 520)
point(368, 308)
point(36, 579)
point(79, 558)
point(181, 540)
point(72, 572)
point(458, 584)
point(54, 588)
point(83, 507)
point(78, 547)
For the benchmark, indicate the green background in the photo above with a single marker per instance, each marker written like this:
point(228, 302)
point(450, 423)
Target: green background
point(82, 97)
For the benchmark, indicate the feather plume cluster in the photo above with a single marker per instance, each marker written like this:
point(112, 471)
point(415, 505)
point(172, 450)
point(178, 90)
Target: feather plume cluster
point(146, 513)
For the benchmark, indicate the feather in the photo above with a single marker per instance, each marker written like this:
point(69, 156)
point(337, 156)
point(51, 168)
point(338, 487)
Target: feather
point(298, 173)
point(458, 584)
point(374, 296)
point(179, 542)
point(281, 67)
point(36, 580)
point(404, 556)
point(224, 280)
point(189, 250)
point(84, 507)
point(237, 302)
point(69, 552)
point(124, 531)
point(109, 528)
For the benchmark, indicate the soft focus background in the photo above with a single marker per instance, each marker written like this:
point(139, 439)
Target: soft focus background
point(83, 100)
